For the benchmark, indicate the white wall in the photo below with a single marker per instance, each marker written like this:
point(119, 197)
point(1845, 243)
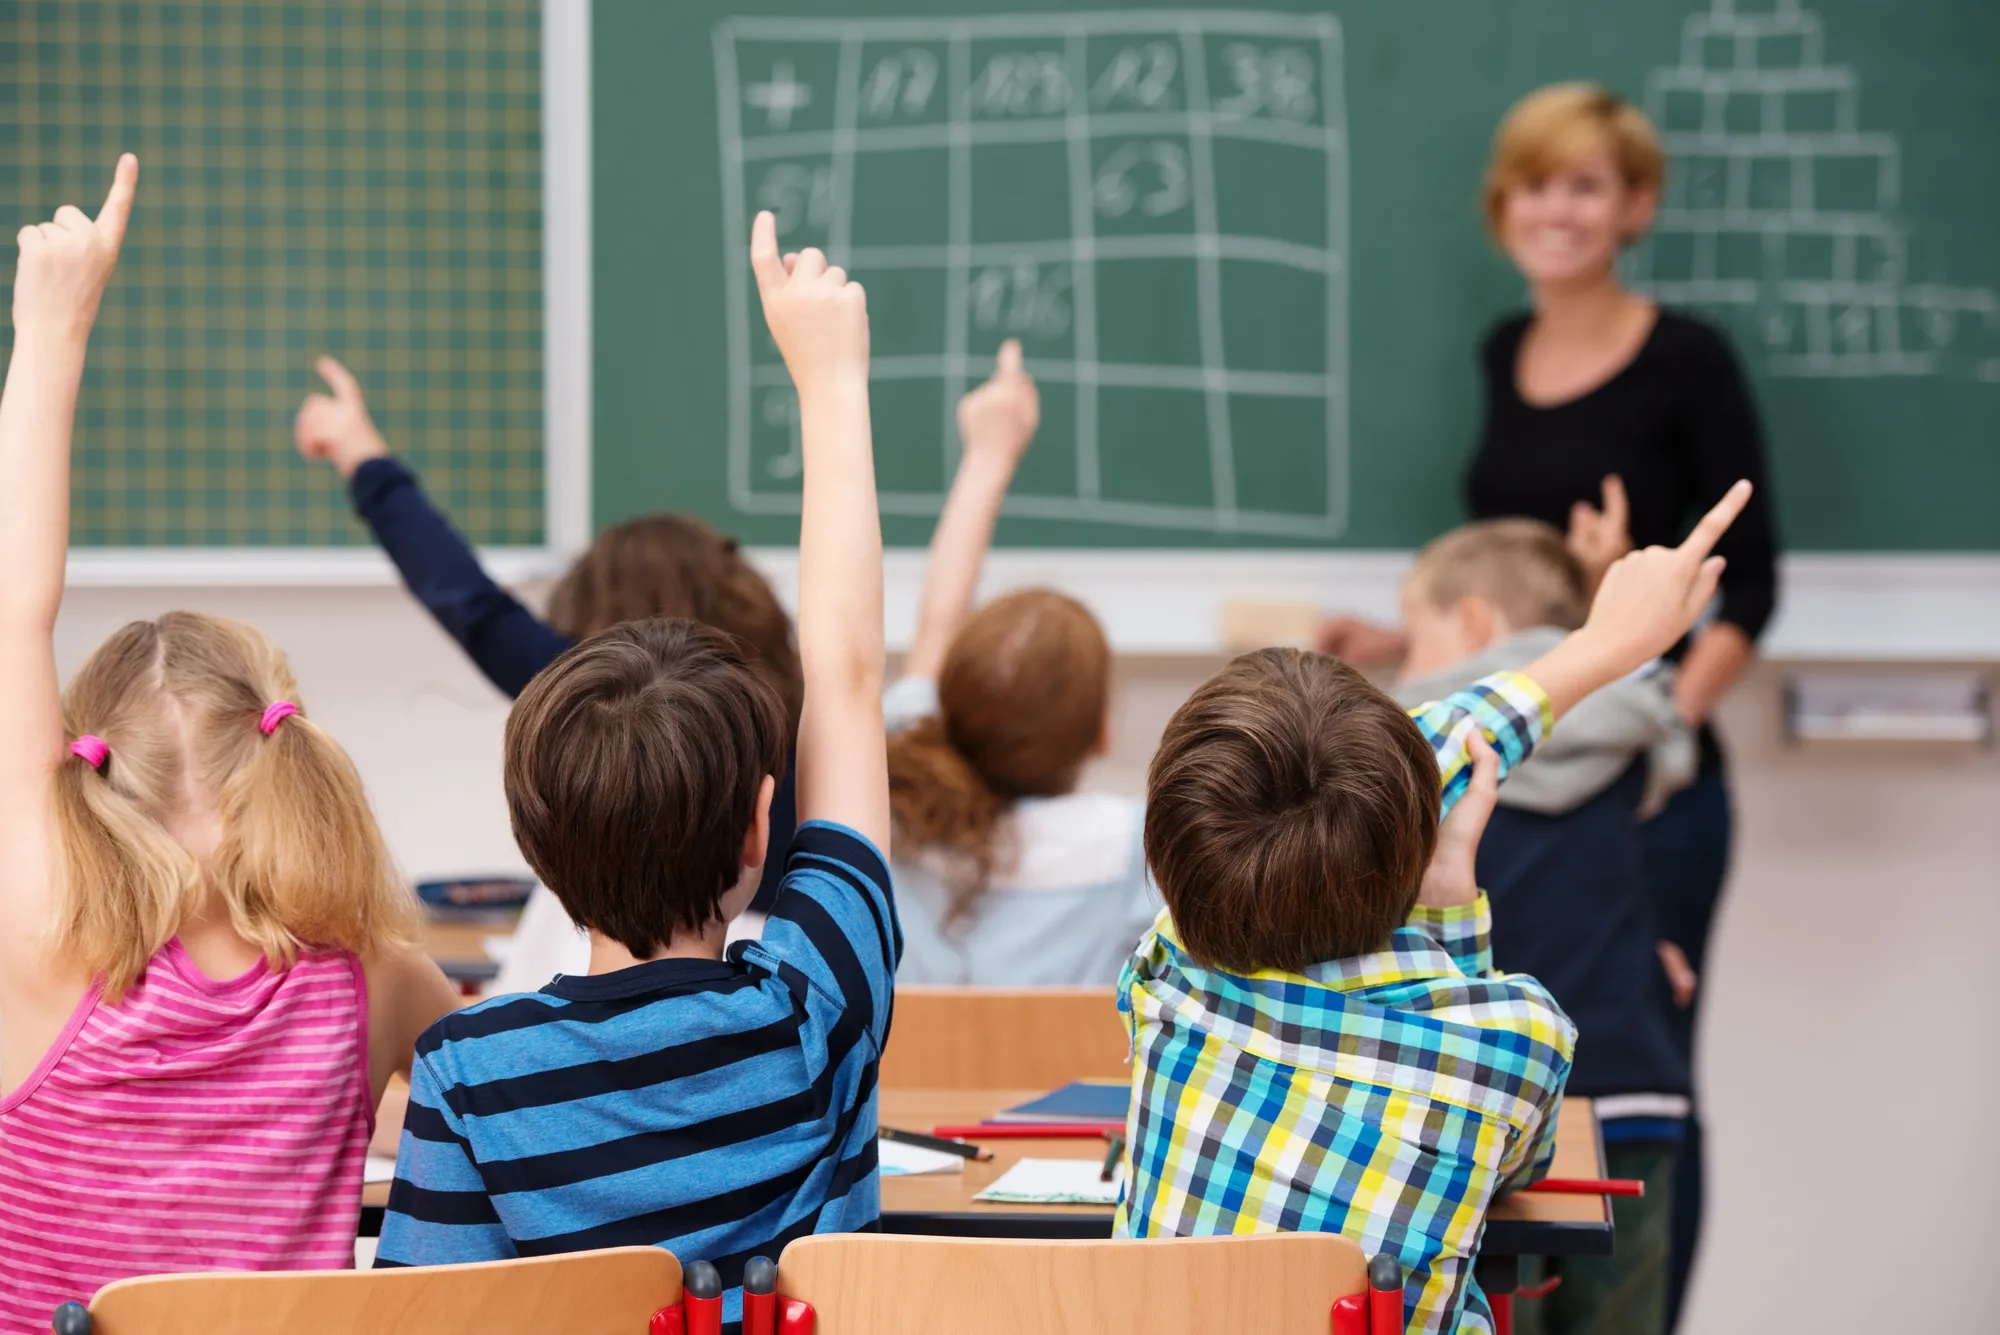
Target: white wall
point(1848, 1059)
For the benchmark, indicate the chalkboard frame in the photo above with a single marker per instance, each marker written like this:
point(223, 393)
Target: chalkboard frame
point(566, 370)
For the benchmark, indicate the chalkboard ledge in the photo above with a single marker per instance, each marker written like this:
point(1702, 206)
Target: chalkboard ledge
point(279, 567)
point(1886, 607)
point(1845, 607)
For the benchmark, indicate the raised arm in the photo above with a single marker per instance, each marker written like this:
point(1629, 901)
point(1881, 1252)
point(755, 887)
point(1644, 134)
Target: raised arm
point(1644, 604)
point(995, 424)
point(58, 283)
point(820, 323)
point(504, 639)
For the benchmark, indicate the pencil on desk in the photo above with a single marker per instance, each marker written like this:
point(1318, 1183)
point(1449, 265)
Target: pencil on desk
point(958, 1147)
point(1028, 1130)
point(1111, 1158)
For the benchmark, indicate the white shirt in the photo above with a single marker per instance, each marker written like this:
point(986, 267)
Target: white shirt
point(1069, 910)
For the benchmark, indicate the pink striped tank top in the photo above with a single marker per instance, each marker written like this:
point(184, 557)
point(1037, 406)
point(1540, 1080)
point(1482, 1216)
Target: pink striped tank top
point(195, 1125)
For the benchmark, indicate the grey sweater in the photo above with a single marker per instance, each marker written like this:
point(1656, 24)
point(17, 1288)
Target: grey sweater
point(1595, 742)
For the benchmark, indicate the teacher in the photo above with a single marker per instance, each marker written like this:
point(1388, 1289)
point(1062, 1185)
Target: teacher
point(1619, 421)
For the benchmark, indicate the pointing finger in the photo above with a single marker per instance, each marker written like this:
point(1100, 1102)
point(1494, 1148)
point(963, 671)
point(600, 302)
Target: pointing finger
point(1717, 521)
point(1009, 361)
point(339, 377)
point(1617, 512)
point(117, 210)
point(764, 260)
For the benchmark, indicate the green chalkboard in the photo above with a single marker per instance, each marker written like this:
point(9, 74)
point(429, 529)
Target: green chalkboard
point(1242, 249)
point(361, 179)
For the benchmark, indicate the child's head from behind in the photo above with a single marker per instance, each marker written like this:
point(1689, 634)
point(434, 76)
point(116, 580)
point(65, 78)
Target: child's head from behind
point(1022, 698)
point(1290, 812)
point(1483, 582)
point(206, 790)
point(639, 773)
point(674, 566)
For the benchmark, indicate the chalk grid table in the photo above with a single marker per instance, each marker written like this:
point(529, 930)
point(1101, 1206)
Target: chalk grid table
point(1044, 177)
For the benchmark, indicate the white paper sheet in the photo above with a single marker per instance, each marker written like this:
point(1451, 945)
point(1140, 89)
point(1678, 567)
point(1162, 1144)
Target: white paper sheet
point(900, 1160)
point(1055, 1182)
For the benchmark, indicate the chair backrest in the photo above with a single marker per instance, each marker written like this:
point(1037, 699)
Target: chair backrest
point(612, 1292)
point(1003, 1038)
point(875, 1284)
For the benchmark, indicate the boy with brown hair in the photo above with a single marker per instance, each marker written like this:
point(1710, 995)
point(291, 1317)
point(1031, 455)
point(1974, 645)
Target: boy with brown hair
point(717, 1106)
point(1320, 1042)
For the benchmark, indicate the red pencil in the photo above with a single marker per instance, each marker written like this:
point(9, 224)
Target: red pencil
point(1590, 1186)
point(1028, 1130)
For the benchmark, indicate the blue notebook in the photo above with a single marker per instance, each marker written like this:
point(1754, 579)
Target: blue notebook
point(1079, 1101)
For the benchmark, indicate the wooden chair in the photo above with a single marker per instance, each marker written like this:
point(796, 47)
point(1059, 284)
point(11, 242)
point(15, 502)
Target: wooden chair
point(1273, 1284)
point(1003, 1038)
point(612, 1292)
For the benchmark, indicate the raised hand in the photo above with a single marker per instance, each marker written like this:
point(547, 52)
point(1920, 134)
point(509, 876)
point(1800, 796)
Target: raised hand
point(1450, 878)
point(1649, 598)
point(66, 262)
point(337, 426)
point(1598, 537)
point(1000, 417)
point(1360, 642)
point(818, 318)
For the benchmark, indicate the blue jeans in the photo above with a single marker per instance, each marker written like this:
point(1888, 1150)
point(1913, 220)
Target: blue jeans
point(1686, 853)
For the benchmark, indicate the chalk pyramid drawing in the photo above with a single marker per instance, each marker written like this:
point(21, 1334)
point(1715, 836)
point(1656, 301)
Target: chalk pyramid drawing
point(1781, 209)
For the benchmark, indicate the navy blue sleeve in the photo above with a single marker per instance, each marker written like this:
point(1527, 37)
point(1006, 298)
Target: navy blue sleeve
point(505, 640)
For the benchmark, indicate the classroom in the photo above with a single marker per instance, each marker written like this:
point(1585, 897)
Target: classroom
point(772, 666)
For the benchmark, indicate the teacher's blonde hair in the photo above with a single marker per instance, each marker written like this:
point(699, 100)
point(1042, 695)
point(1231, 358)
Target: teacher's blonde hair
point(1554, 127)
point(301, 864)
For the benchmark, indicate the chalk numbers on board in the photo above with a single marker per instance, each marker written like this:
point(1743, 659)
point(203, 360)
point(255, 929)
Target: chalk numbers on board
point(1139, 78)
point(797, 194)
point(781, 410)
point(1022, 83)
point(1271, 81)
point(1147, 175)
point(1024, 299)
point(900, 84)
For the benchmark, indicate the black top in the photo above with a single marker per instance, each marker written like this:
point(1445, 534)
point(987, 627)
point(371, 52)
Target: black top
point(1570, 906)
point(1676, 423)
point(505, 640)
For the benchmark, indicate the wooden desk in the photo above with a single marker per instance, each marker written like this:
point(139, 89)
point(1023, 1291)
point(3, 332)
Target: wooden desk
point(1525, 1224)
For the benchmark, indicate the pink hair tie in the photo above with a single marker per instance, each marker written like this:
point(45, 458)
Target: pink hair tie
point(275, 713)
point(91, 750)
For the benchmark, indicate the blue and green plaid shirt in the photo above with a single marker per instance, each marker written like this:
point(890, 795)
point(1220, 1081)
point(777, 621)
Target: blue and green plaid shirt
point(1387, 1097)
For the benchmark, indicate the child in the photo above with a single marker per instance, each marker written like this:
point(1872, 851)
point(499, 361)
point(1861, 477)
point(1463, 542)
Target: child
point(205, 969)
point(715, 1106)
point(1006, 875)
point(659, 565)
point(1319, 1040)
point(1561, 864)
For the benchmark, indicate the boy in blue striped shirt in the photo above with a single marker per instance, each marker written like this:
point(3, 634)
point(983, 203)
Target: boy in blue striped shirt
point(715, 1105)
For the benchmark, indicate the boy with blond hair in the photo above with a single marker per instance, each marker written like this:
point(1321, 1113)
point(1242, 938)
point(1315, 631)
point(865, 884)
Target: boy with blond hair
point(1561, 862)
point(1320, 1041)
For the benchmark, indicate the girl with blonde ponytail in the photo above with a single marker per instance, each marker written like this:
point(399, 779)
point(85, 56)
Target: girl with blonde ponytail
point(207, 970)
point(1005, 874)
